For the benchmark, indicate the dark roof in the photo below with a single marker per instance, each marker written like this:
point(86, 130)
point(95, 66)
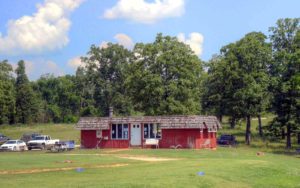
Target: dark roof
point(166, 122)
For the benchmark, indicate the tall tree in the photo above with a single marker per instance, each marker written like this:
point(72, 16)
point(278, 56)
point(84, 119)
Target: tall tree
point(7, 93)
point(165, 77)
point(214, 88)
point(106, 72)
point(86, 90)
point(285, 71)
point(248, 79)
point(26, 107)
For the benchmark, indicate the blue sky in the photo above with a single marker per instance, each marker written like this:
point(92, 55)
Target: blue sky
point(51, 35)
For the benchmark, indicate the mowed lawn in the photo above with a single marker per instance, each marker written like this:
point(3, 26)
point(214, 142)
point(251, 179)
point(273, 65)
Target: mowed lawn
point(225, 167)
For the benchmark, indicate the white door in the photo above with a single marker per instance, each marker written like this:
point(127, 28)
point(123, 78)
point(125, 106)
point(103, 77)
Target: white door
point(135, 137)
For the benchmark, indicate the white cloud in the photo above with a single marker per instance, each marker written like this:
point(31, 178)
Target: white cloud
point(145, 12)
point(75, 63)
point(124, 40)
point(195, 41)
point(45, 30)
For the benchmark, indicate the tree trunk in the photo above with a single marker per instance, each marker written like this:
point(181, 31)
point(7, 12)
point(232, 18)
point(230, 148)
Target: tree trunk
point(232, 122)
point(220, 118)
point(282, 133)
point(260, 126)
point(248, 130)
point(288, 137)
point(299, 138)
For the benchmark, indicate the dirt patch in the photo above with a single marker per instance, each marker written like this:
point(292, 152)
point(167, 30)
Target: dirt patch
point(147, 158)
point(133, 157)
point(40, 170)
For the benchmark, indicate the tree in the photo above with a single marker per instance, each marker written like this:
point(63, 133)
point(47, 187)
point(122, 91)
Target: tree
point(247, 78)
point(165, 77)
point(285, 71)
point(7, 93)
point(214, 88)
point(60, 96)
point(26, 105)
point(85, 89)
point(105, 69)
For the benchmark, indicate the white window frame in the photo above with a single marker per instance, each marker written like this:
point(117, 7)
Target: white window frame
point(149, 131)
point(123, 131)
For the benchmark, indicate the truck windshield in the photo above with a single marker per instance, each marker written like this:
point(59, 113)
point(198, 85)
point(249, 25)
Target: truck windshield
point(39, 138)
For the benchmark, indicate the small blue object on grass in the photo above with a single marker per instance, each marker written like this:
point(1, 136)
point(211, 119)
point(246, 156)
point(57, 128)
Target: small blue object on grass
point(200, 173)
point(79, 169)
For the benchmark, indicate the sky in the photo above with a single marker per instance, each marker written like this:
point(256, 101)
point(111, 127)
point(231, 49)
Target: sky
point(52, 35)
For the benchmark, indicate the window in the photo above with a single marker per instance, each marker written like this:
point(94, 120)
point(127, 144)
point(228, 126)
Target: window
point(152, 130)
point(119, 131)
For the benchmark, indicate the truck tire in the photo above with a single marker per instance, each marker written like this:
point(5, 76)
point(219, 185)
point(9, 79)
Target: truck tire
point(43, 146)
point(29, 148)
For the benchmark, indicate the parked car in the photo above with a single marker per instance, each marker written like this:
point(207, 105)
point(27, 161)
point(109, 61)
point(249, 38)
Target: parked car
point(13, 145)
point(29, 136)
point(66, 145)
point(41, 142)
point(3, 138)
point(227, 139)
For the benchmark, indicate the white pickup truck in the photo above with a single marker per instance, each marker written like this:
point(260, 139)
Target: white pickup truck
point(41, 142)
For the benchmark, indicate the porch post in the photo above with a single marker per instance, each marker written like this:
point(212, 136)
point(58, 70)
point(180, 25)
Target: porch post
point(201, 134)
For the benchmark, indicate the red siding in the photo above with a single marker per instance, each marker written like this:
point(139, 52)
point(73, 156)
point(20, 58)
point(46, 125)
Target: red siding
point(88, 138)
point(187, 138)
point(112, 143)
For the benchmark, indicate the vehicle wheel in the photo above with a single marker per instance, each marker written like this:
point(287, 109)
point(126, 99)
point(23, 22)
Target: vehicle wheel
point(43, 146)
point(15, 148)
point(29, 148)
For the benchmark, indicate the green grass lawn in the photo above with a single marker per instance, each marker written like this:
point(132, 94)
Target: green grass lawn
point(225, 167)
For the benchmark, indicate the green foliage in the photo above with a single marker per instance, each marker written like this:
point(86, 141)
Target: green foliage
point(105, 72)
point(285, 70)
point(237, 81)
point(7, 93)
point(248, 60)
point(26, 104)
point(60, 97)
point(165, 78)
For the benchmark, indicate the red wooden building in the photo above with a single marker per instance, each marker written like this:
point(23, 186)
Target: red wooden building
point(170, 131)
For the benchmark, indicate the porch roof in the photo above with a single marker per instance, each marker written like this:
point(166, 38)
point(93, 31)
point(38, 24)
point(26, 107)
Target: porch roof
point(166, 122)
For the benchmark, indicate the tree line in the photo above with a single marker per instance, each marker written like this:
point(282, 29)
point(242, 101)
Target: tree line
point(249, 77)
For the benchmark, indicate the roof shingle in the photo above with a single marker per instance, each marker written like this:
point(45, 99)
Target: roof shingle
point(166, 122)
